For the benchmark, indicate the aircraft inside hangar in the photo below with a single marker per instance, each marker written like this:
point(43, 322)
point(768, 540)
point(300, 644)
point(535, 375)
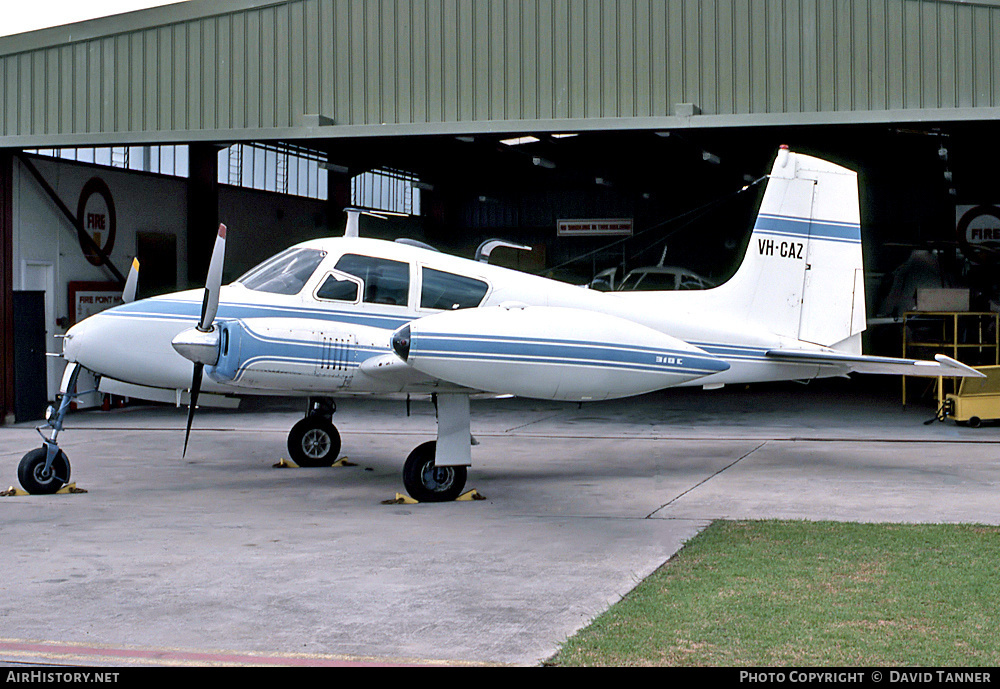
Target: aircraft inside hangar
point(659, 173)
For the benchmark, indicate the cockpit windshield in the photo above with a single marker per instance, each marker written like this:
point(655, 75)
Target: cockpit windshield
point(286, 273)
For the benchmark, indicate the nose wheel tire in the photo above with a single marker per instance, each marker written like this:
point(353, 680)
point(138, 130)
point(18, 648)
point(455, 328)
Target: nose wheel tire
point(35, 479)
point(426, 482)
point(314, 442)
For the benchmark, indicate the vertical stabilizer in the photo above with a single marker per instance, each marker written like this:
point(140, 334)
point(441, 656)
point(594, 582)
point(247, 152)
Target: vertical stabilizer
point(802, 276)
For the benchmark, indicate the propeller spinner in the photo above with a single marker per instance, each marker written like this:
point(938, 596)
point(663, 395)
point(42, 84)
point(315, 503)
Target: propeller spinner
point(200, 344)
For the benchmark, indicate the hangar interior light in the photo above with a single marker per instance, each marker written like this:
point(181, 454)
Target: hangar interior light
point(519, 140)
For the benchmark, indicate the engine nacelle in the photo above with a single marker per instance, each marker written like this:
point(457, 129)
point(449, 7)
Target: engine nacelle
point(292, 354)
point(550, 353)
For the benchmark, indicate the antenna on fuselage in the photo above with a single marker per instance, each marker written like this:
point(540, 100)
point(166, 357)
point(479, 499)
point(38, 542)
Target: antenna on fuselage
point(354, 214)
point(484, 250)
point(352, 222)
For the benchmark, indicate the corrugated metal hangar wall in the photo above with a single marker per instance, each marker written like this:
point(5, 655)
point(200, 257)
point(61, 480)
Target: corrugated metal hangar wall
point(259, 70)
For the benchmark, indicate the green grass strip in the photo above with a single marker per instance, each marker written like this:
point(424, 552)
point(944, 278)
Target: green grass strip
point(810, 594)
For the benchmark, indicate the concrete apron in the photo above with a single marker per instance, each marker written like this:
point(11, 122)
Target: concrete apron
point(222, 558)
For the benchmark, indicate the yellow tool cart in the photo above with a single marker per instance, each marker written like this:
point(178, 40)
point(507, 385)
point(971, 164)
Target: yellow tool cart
point(975, 401)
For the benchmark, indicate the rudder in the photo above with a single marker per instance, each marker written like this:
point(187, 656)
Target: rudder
point(802, 276)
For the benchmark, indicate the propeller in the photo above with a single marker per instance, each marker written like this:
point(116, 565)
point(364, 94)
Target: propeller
point(131, 282)
point(213, 282)
point(192, 403)
point(201, 343)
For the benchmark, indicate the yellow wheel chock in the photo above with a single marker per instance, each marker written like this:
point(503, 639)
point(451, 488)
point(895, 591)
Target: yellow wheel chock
point(401, 499)
point(289, 464)
point(68, 489)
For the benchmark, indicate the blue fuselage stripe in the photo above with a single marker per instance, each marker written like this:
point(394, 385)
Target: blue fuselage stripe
point(566, 352)
point(169, 309)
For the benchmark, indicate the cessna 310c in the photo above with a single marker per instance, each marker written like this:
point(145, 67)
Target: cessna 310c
point(351, 315)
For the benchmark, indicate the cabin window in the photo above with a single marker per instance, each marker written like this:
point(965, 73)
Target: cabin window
point(440, 290)
point(654, 282)
point(386, 282)
point(691, 282)
point(338, 289)
point(286, 273)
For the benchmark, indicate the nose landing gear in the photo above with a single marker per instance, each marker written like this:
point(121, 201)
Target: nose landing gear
point(46, 469)
point(39, 476)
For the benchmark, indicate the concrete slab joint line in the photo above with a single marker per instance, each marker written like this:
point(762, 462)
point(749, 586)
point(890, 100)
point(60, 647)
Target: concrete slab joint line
point(704, 481)
point(531, 423)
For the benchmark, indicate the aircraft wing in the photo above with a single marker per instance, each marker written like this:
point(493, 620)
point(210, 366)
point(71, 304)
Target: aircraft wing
point(859, 363)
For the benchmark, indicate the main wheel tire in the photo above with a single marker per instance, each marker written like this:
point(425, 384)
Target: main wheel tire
point(314, 442)
point(975, 422)
point(33, 477)
point(426, 482)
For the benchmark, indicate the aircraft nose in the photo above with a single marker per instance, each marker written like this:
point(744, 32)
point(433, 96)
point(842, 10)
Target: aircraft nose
point(75, 341)
point(105, 344)
point(131, 343)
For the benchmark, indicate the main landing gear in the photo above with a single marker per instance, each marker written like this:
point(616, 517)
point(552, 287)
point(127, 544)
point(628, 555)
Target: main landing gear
point(314, 441)
point(436, 471)
point(425, 481)
point(46, 469)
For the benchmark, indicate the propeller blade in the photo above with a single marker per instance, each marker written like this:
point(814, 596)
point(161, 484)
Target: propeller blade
point(195, 389)
point(131, 282)
point(213, 283)
point(209, 307)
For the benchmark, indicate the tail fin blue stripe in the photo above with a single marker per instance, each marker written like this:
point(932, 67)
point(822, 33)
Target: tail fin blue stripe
point(803, 227)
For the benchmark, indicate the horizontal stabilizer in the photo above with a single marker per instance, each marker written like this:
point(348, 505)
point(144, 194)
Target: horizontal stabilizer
point(941, 366)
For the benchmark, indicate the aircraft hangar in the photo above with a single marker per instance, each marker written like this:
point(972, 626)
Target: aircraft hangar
point(138, 133)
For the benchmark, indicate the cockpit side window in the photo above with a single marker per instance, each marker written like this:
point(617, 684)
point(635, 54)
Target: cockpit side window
point(440, 290)
point(386, 281)
point(286, 273)
point(338, 289)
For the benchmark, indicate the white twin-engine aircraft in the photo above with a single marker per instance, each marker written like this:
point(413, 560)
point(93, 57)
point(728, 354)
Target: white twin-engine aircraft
point(350, 315)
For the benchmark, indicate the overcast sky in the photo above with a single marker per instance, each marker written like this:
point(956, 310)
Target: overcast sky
point(17, 16)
